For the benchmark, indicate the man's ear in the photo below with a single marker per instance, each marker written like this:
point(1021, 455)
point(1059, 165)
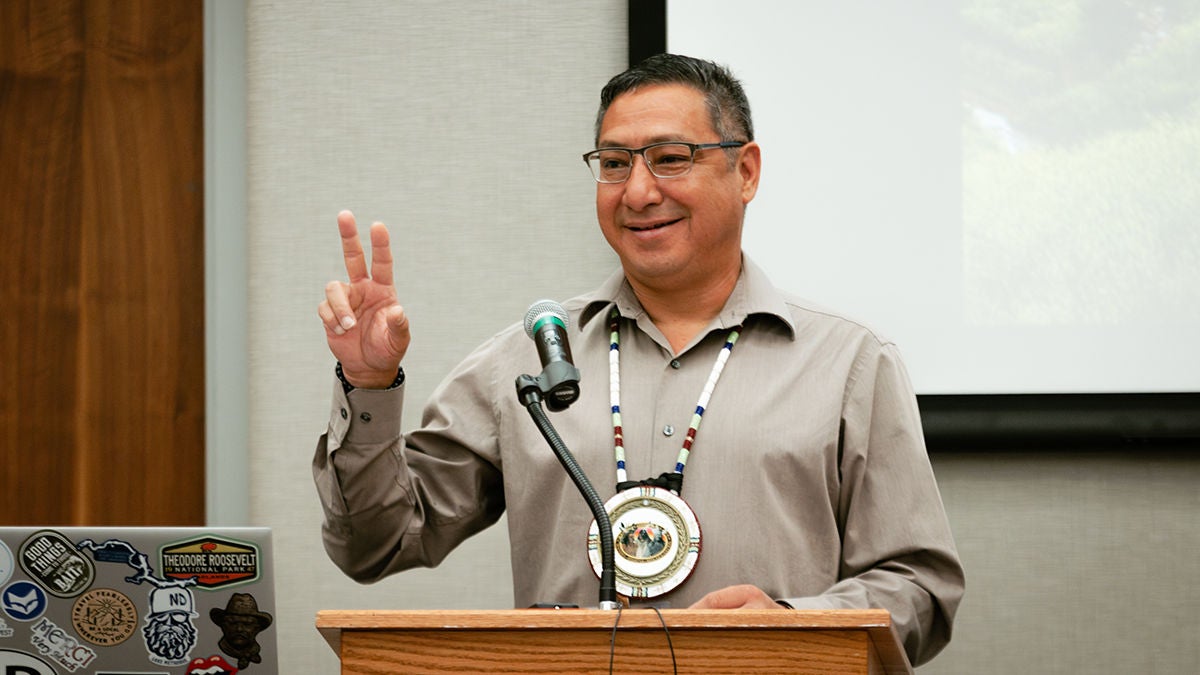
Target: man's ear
point(749, 167)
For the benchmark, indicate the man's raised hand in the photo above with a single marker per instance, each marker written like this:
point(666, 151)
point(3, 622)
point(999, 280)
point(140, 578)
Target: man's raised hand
point(365, 325)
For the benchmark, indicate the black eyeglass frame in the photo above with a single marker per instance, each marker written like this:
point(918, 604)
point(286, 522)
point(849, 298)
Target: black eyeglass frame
point(633, 152)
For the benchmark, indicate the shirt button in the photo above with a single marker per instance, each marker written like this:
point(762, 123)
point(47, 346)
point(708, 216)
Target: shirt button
point(345, 415)
point(366, 417)
point(675, 364)
point(668, 430)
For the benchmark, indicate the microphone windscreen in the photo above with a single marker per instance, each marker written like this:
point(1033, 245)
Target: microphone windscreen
point(542, 310)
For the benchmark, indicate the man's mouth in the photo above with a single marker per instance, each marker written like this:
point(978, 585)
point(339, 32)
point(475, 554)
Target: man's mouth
point(646, 227)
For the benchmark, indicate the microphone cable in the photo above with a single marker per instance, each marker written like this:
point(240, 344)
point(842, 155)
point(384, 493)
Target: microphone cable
point(612, 642)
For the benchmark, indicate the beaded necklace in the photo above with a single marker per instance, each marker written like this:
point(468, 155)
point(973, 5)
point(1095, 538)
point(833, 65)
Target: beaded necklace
point(656, 534)
point(614, 386)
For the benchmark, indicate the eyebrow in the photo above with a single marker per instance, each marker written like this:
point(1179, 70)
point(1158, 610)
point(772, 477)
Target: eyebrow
point(654, 139)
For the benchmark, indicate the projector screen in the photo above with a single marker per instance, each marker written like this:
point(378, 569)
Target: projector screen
point(1008, 190)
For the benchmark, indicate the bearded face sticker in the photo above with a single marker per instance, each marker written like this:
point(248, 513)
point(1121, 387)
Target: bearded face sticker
point(169, 631)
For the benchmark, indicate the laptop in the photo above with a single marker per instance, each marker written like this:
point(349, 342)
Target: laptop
point(137, 601)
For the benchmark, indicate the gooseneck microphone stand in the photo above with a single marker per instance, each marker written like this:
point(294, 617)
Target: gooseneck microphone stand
point(530, 391)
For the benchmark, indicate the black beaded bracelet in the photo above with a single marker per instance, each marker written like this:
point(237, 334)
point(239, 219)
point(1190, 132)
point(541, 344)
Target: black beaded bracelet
point(347, 387)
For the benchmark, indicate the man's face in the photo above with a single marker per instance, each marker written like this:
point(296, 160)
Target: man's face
point(674, 233)
point(240, 631)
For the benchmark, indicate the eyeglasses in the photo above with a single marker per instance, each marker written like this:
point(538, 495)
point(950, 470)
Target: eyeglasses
point(670, 159)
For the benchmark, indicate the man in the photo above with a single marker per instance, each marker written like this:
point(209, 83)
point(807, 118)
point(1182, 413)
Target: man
point(809, 478)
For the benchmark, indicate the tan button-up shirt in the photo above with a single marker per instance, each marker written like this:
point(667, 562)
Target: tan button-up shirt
point(808, 476)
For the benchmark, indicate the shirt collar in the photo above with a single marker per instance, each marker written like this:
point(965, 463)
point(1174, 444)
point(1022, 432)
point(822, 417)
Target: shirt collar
point(754, 294)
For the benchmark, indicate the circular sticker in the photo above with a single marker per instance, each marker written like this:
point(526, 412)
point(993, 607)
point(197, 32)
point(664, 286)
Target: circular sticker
point(104, 617)
point(23, 600)
point(22, 662)
point(656, 538)
point(6, 563)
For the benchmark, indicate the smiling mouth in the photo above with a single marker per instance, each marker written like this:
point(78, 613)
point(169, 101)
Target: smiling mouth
point(653, 226)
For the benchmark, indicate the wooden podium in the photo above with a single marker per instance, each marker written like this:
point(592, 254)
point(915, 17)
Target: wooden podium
point(578, 641)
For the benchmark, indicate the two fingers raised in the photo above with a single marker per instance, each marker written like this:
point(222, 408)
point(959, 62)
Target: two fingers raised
point(337, 311)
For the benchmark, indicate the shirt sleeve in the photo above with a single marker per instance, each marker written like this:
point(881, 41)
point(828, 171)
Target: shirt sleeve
point(393, 503)
point(897, 552)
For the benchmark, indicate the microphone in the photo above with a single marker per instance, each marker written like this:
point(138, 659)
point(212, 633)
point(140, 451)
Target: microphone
point(546, 324)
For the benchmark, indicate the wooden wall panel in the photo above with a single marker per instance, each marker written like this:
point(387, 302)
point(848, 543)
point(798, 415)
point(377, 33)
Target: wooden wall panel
point(101, 259)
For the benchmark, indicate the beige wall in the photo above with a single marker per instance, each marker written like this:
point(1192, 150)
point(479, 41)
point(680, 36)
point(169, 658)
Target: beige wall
point(1076, 562)
point(460, 124)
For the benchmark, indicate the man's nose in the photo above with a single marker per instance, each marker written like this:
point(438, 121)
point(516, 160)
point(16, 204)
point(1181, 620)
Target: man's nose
point(641, 188)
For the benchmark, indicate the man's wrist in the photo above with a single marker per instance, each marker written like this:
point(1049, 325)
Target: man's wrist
point(347, 387)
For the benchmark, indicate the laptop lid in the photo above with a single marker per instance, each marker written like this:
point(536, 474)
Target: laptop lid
point(137, 601)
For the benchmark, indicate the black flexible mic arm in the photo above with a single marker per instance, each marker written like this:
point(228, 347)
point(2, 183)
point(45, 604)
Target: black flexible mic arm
point(530, 395)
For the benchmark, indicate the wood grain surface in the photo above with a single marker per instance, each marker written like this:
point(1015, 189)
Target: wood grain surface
point(101, 262)
point(579, 641)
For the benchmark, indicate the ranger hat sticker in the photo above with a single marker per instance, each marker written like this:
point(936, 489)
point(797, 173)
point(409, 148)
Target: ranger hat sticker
point(214, 562)
point(240, 623)
point(51, 559)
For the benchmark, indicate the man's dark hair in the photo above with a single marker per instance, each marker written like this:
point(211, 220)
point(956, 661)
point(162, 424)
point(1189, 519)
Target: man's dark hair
point(723, 93)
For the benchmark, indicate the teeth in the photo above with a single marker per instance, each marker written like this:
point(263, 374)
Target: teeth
point(651, 227)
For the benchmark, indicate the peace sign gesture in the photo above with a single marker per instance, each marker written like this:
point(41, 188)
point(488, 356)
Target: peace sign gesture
point(365, 325)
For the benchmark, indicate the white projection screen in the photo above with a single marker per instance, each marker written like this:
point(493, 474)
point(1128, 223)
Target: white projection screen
point(1009, 189)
